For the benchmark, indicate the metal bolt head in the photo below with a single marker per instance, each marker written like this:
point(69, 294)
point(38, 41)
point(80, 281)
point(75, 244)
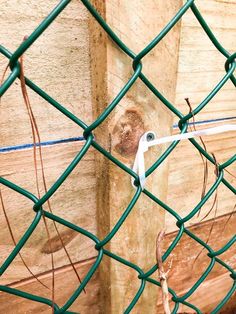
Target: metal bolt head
point(150, 136)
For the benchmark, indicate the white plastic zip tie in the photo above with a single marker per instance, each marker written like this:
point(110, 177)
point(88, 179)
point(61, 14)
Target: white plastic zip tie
point(148, 139)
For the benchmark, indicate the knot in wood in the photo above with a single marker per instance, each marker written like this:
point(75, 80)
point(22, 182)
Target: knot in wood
point(127, 132)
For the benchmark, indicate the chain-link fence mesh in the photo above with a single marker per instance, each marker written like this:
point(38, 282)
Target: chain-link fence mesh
point(144, 277)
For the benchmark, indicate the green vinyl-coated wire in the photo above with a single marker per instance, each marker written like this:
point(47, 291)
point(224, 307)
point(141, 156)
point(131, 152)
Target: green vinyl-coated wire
point(136, 61)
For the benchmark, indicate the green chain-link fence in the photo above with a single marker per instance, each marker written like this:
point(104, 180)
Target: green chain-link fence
point(90, 141)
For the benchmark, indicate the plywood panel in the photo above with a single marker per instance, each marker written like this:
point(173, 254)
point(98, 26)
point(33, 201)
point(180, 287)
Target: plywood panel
point(185, 272)
point(211, 294)
point(58, 62)
point(65, 285)
point(74, 201)
point(186, 173)
point(209, 297)
point(187, 250)
point(201, 66)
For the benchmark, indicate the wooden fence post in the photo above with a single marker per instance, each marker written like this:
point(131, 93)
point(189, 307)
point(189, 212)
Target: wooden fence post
point(136, 23)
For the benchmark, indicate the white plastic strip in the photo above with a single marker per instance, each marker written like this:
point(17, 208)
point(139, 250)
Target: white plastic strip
point(149, 139)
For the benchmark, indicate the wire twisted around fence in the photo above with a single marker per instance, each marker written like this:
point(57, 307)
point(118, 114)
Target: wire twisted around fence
point(90, 141)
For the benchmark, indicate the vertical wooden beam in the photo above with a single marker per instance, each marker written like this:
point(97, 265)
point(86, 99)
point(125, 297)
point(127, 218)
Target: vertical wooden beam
point(136, 23)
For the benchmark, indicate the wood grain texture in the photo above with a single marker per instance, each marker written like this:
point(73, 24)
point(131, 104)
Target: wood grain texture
point(184, 272)
point(75, 201)
point(201, 66)
point(208, 297)
point(136, 113)
point(58, 62)
point(65, 283)
point(186, 173)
